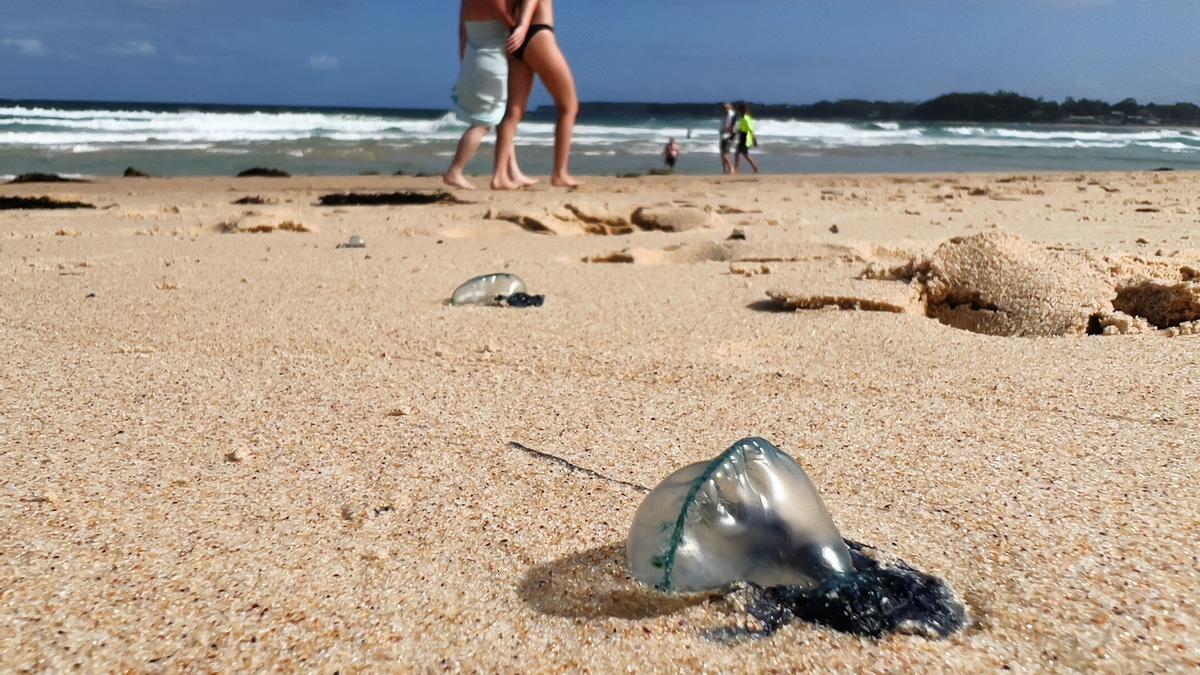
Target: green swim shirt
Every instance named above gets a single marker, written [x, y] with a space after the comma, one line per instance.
[747, 127]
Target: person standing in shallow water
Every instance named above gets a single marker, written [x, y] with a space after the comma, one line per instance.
[728, 133]
[535, 48]
[747, 138]
[671, 154]
[481, 94]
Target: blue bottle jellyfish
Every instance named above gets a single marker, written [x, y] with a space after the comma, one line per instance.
[752, 516]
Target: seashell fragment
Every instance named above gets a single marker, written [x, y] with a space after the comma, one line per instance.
[749, 515]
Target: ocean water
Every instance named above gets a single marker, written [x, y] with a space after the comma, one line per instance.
[165, 140]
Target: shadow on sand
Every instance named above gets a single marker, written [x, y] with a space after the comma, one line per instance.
[596, 584]
[771, 306]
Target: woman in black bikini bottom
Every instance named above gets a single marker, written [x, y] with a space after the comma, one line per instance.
[538, 54]
[533, 30]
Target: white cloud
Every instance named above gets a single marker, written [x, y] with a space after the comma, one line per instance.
[24, 46]
[324, 62]
[134, 48]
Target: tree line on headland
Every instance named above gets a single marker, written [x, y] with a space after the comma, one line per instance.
[1002, 106]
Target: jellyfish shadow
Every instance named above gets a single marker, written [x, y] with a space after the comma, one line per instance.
[877, 600]
[596, 584]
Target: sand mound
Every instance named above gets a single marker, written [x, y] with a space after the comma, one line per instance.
[737, 251]
[999, 284]
[675, 219]
[682, 254]
[598, 218]
[1162, 304]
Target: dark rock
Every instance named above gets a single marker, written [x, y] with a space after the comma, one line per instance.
[833, 229]
[134, 173]
[250, 201]
[43, 178]
[261, 172]
[39, 203]
[1163, 168]
[368, 173]
[386, 199]
[90, 295]
[737, 235]
[400, 173]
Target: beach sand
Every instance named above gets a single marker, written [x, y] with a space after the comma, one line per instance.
[256, 450]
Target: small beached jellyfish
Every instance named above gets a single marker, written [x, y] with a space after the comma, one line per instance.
[752, 516]
[749, 515]
[495, 289]
[354, 242]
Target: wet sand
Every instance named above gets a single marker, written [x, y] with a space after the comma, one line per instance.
[226, 445]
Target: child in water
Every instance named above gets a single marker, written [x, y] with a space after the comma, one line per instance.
[671, 154]
[481, 94]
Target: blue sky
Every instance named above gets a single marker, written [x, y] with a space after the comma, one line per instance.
[403, 52]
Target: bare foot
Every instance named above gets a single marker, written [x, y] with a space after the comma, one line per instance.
[564, 180]
[456, 179]
[503, 183]
[525, 181]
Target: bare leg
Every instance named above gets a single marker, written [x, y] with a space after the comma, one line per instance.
[753, 165]
[546, 59]
[508, 175]
[468, 145]
[518, 176]
[726, 165]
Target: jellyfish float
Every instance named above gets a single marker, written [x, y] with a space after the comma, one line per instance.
[752, 517]
[495, 290]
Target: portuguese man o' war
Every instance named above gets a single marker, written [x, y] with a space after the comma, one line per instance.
[749, 515]
[354, 242]
[752, 516]
[495, 290]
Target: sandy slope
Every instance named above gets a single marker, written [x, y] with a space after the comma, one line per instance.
[253, 450]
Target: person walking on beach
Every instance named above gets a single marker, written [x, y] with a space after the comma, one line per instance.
[728, 132]
[671, 154]
[747, 138]
[536, 51]
[481, 94]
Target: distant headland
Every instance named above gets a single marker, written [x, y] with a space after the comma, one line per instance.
[1002, 106]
